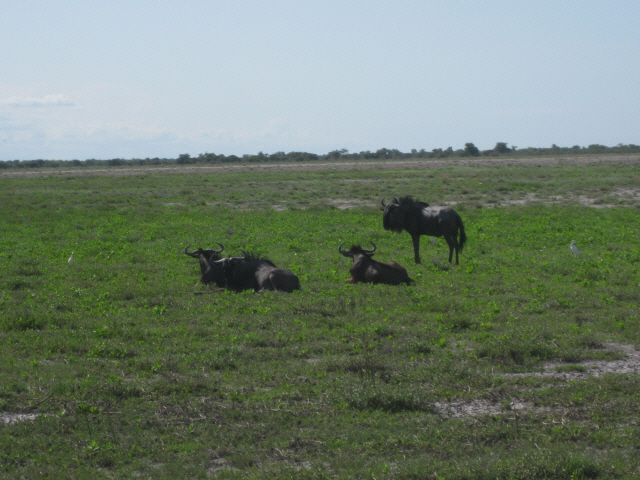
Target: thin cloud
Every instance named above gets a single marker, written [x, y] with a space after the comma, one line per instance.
[59, 100]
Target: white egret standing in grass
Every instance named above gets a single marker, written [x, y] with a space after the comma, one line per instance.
[573, 248]
[434, 241]
[70, 259]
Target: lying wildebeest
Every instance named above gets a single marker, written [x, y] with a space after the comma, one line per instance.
[366, 269]
[207, 258]
[418, 218]
[254, 272]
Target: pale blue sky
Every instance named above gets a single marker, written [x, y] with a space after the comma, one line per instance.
[136, 79]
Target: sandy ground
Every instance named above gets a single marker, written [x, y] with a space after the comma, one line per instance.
[424, 163]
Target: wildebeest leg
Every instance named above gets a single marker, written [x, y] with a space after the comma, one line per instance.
[451, 241]
[456, 244]
[453, 245]
[416, 247]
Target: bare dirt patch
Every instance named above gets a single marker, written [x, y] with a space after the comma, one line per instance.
[590, 368]
[617, 198]
[474, 408]
[11, 418]
[220, 464]
[342, 204]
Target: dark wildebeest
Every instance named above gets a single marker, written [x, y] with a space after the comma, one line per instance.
[254, 272]
[366, 269]
[418, 218]
[207, 258]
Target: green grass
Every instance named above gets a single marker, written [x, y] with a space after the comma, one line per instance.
[133, 375]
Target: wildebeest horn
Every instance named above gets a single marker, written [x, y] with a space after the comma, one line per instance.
[383, 204]
[346, 253]
[371, 251]
[186, 251]
[221, 248]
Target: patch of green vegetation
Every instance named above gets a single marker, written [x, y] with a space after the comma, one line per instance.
[133, 375]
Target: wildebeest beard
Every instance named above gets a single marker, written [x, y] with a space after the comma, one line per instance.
[393, 219]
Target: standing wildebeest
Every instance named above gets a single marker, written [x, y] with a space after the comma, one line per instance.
[253, 272]
[366, 269]
[418, 218]
[207, 258]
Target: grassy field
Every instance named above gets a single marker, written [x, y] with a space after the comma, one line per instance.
[519, 363]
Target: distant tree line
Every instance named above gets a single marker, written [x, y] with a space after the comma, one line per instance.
[469, 150]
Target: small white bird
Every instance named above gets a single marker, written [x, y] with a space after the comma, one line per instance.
[573, 248]
[70, 259]
[434, 241]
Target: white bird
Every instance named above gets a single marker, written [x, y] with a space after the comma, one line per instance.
[573, 248]
[434, 241]
[70, 259]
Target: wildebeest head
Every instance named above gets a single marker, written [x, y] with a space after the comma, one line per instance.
[401, 213]
[209, 253]
[211, 272]
[357, 250]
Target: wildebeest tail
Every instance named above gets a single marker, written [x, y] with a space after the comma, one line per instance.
[463, 236]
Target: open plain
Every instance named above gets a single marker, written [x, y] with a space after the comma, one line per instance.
[521, 362]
